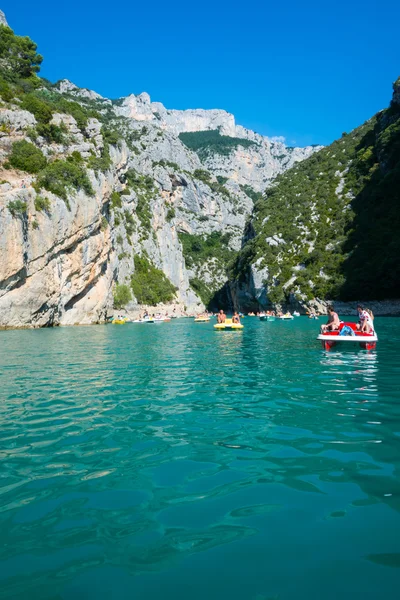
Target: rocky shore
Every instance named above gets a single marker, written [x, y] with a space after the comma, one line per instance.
[380, 308]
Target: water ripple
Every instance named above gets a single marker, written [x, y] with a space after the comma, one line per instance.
[169, 455]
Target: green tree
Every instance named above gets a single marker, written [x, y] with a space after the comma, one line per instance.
[122, 295]
[27, 157]
[149, 284]
[18, 56]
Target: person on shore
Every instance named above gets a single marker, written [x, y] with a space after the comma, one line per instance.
[366, 323]
[236, 318]
[333, 322]
[221, 316]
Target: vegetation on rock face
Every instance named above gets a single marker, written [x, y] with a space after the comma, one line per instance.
[198, 249]
[122, 296]
[27, 157]
[17, 208]
[329, 226]
[40, 109]
[170, 214]
[210, 256]
[251, 193]
[100, 163]
[143, 186]
[215, 186]
[202, 290]
[149, 284]
[115, 200]
[62, 176]
[42, 204]
[205, 143]
[52, 133]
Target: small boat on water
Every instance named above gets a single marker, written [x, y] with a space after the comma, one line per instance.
[228, 326]
[202, 319]
[296, 314]
[264, 317]
[157, 319]
[143, 320]
[348, 333]
[119, 321]
[286, 317]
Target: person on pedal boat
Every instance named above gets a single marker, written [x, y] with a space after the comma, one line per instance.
[221, 316]
[333, 322]
[235, 318]
[366, 324]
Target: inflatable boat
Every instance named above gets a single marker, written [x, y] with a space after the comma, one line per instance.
[348, 333]
[228, 325]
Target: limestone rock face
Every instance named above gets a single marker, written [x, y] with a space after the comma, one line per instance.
[56, 267]
[60, 261]
[67, 87]
[256, 165]
[16, 120]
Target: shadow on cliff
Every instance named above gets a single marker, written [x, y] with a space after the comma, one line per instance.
[372, 268]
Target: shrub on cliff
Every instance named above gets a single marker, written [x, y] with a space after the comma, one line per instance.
[42, 204]
[215, 186]
[17, 208]
[197, 249]
[27, 157]
[61, 176]
[122, 295]
[41, 110]
[6, 91]
[149, 284]
[100, 163]
[52, 133]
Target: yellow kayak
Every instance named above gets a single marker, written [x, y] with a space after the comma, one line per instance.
[228, 325]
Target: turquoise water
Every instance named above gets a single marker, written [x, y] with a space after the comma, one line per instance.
[173, 461]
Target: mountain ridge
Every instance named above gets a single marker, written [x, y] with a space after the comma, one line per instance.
[95, 205]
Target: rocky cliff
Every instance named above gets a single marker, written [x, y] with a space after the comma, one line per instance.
[255, 164]
[102, 203]
[329, 227]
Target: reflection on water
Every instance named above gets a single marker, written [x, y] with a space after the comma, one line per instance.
[199, 463]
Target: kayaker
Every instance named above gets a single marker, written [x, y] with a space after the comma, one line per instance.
[333, 322]
[221, 316]
[235, 318]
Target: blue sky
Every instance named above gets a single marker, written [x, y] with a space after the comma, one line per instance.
[304, 70]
